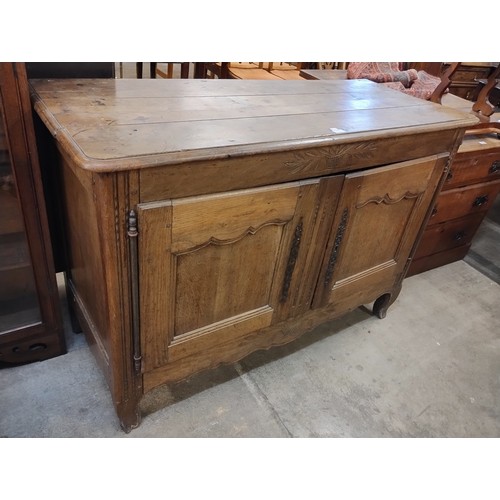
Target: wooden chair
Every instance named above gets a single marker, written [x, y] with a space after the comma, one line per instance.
[170, 70]
[154, 71]
[446, 76]
[286, 71]
[484, 107]
[332, 65]
[250, 71]
[212, 70]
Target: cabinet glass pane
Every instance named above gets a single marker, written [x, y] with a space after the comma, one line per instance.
[18, 297]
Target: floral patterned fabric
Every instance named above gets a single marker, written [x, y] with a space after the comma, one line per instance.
[416, 83]
[381, 72]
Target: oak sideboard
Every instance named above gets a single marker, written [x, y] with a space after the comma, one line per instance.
[206, 219]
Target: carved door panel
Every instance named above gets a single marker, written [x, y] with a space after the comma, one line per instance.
[378, 218]
[216, 267]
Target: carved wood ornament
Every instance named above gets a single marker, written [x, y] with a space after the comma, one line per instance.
[315, 158]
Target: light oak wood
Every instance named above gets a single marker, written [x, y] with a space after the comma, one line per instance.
[239, 189]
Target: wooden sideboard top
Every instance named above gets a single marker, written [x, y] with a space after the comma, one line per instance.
[120, 124]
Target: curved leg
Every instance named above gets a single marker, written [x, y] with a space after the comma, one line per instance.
[384, 301]
[381, 305]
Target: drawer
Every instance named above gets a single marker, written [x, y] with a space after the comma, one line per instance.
[460, 202]
[437, 260]
[469, 74]
[447, 235]
[480, 168]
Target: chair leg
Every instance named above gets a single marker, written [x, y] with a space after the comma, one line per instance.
[138, 69]
[152, 69]
[185, 70]
[200, 70]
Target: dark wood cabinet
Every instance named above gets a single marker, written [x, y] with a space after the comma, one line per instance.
[208, 219]
[464, 82]
[468, 192]
[30, 318]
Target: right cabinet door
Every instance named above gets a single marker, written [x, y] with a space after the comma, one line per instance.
[378, 218]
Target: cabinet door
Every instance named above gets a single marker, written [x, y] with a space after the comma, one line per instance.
[213, 268]
[30, 319]
[378, 218]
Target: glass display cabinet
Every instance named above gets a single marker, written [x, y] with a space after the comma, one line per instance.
[30, 316]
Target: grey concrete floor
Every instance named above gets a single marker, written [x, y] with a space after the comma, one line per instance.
[431, 368]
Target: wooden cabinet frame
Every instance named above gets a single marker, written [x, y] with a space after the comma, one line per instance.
[44, 337]
[182, 260]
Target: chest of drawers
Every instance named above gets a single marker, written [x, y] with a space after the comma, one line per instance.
[468, 192]
[208, 219]
[465, 80]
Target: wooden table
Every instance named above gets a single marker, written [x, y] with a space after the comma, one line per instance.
[207, 219]
[324, 74]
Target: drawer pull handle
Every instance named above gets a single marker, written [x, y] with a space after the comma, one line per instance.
[480, 200]
[449, 176]
[459, 236]
[434, 211]
[495, 167]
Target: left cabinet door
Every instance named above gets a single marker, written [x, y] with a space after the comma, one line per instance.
[214, 268]
[30, 319]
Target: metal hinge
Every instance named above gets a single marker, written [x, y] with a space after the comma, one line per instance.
[134, 285]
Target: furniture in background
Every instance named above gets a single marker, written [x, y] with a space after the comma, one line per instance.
[330, 65]
[200, 69]
[285, 70]
[139, 69]
[324, 74]
[494, 94]
[169, 73]
[418, 82]
[212, 70]
[30, 317]
[470, 189]
[252, 70]
[70, 69]
[465, 80]
[488, 97]
[228, 217]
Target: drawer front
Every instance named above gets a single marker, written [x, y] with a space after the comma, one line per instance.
[447, 235]
[437, 260]
[245, 171]
[471, 73]
[482, 168]
[460, 202]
